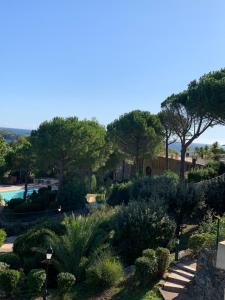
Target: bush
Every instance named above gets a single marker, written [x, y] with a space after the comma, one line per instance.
[146, 269]
[9, 280]
[65, 282]
[105, 272]
[3, 267]
[120, 194]
[72, 195]
[2, 237]
[215, 196]
[36, 280]
[200, 240]
[157, 187]
[11, 259]
[163, 259]
[149, 253]
[138, 227]
[24, 244]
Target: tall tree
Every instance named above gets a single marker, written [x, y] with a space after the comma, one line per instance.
[137, 135]
[20, 159]
[168, 132]
[187, 123]
[201, 106]
[69, 147]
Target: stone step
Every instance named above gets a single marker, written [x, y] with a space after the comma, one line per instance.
[178, 278]
[188, 268]
[175, 287]
[183, 273]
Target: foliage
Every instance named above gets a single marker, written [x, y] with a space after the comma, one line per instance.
[200, 240]
[120, 194]
[200, 174]
[36, 280]
[146, 268]
[138, 227]
[83, 235]
[44, 199]
[163, 259]
[2, 236]
[3, 267]
[72, 195]
[215, 195]
[11, 259]
[65, 282]
[3, 151]
[136, 135]
[26, 243]
[9, 280]
[149, 189]
[69, 147]
[104, 272]
[189, 116]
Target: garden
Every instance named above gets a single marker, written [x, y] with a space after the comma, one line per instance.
[122, 246]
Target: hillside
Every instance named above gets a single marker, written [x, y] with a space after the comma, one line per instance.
[12, 134]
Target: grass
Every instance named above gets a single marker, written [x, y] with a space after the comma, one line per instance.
[126, 290]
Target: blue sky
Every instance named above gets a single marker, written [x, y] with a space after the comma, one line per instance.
[102, 58]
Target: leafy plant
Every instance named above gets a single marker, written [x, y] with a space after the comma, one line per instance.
[11, 259]
[9, 280]
[163, 259]
[138, 227]
[36, 280]
[2, 237]
[104, 272]
[146, 269]
[65, 282]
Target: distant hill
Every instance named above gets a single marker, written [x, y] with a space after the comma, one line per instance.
[12, 134]
[177, 146]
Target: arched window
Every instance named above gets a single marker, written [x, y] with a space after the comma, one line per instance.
[148, 171]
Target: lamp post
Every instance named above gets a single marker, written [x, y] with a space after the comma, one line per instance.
[49, 254]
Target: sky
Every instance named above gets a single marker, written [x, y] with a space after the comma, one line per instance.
[102, 58]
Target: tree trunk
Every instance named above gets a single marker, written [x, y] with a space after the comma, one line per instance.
[182, 162]
[167, 154]
[25, 188]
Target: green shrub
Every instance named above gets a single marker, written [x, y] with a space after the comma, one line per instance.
[146, 269]
[120, 194]
[72, 195]
[105, 272]
[200, 240]
[65, 282]
[11, 259]
[163, 259]
[36, 280]
[137, 227]
[150, 253]
[9, 280]
[3, 267]
[2, 237]
[157, 187]
[24, 244]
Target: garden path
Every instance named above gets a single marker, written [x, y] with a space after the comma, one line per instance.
[179, 276]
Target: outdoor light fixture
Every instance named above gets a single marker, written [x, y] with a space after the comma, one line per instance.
[49, 254]
[59, 208]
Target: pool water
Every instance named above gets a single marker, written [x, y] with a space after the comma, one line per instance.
[7, 196]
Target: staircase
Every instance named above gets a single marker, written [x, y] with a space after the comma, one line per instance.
[179, 276]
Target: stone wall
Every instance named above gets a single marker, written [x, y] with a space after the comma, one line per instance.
[209, 282]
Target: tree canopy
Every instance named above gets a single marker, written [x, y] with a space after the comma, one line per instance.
[137, 135]
[69, 147]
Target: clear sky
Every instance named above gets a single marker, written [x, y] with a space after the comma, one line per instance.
[102, 58]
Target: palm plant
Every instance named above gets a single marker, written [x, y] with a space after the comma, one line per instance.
[83, 236]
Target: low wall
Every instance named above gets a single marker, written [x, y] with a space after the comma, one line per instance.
[209, 282]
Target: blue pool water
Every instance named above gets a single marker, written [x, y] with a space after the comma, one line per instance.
[7, 196]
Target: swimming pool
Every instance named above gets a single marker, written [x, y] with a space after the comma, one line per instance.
[8, 195]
